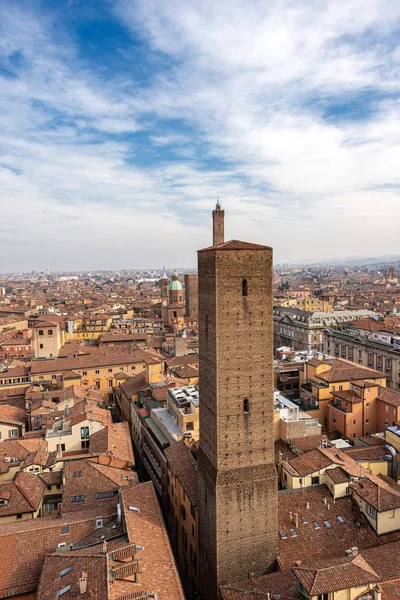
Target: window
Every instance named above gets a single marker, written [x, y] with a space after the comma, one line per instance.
[77, 499]
[50, 332]
[40, 331]
[64, 529]
[97, 372]
[110, 370]
[41, 346]
[110, 383]
[245, 289]
[354, 421]
[371, 511]
[334, 418]
[190, 426]
[54, 376]
[386, 408]
[13, 433]
[340, 519]
[323, 596]
[340, 388]
[84, 433]
[367, 421]
[64, 572]
[246, 406]
[84, 372]
[77, 474]
[315, 480]
[99, 522]
[367, 405]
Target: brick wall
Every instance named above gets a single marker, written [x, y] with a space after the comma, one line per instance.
[237, 477]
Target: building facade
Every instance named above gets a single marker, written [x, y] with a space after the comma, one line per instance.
[304, 330]
[369, 352]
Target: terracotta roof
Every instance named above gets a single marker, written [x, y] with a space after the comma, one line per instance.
[183, 466]
[378, 494]
[157, 569]
[236, 245]
[188, 359]
[389, 396]
[114, 439]
[304, 444]
[366, 452]
[103, 357]
[22, 560]
[338, 475]
[390, 590]
[335, 575]
[135, 384]
[31, 486]
[309, 462]
[310, 543]
[12, 414]
[282, 584]
[94, 566]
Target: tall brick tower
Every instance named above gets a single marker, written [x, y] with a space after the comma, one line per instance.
[237, 478]
[218, 216]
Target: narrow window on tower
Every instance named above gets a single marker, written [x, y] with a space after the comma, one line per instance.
[244, 287]
[246, 406]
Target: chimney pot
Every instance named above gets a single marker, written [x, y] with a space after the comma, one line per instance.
[83, 583]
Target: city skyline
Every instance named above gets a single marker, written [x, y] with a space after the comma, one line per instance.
[121, 124]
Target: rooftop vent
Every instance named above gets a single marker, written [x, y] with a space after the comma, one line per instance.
[134, 509]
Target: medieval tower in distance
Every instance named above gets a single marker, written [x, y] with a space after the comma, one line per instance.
[218, 224]
[237, 478]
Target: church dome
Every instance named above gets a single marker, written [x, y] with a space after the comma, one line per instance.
[174, 285]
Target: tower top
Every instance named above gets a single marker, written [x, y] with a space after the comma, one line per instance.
[218, 224]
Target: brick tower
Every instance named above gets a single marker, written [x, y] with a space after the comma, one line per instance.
[218, 216]
[237, 477]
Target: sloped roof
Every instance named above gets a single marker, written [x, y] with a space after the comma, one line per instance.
[335, 575]
[236, 245]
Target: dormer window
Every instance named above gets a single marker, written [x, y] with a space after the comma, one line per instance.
[245, 289]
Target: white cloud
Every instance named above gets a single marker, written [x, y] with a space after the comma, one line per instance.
[251, 81]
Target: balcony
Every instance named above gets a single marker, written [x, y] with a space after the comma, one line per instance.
[344, 409]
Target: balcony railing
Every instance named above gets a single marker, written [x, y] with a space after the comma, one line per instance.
[341, 408]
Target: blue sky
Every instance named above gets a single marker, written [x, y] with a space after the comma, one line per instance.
[122, 121]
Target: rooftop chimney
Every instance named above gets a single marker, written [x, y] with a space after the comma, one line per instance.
[296, 520]
[104, 547]
[83, 583]
[377, 593]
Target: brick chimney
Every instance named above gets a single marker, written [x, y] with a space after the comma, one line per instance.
[83, 584]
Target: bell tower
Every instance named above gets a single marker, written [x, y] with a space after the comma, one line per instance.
[236, 467]
[218, 216]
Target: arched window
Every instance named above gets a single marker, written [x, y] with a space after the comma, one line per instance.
[246, 405]
[40, 331]
[244, 287]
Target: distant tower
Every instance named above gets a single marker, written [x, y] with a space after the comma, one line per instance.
[218, 225]
[164, 297]
[191, 296]
[236, 468]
